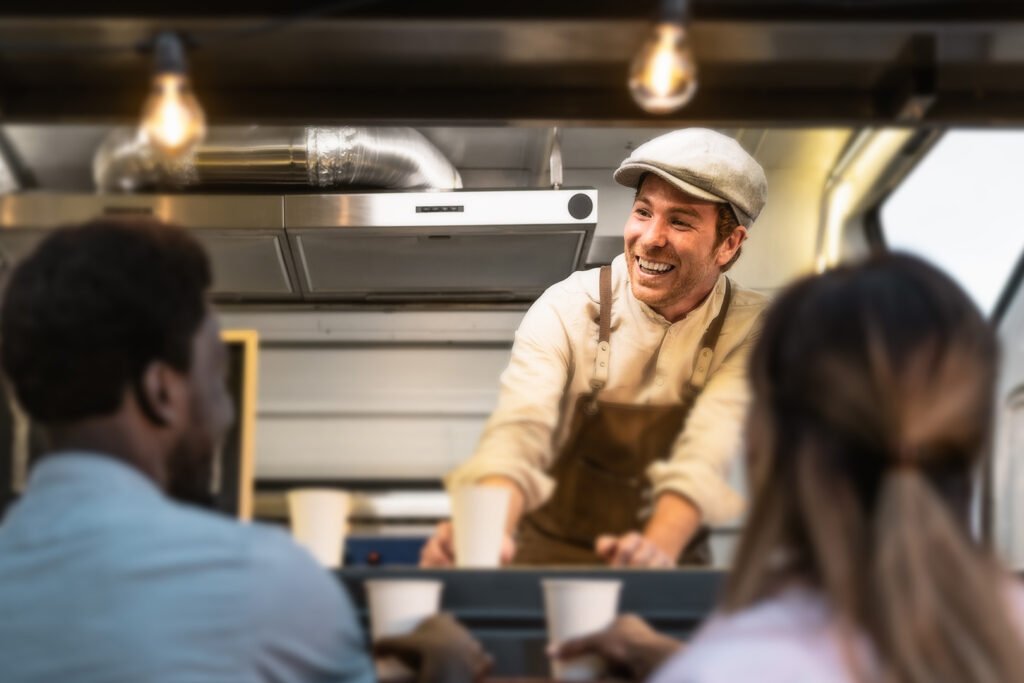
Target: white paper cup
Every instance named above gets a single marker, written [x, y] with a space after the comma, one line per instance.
[397, 606]
[478, 520]
[319, 520]
[574, 608]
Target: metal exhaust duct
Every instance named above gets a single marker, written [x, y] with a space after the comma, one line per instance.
[389, 158]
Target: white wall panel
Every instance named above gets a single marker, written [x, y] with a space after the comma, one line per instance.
[448, 326]
[364, 446]
[373, 394]
[380, 380]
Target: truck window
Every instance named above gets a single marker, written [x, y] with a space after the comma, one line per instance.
[962, 208]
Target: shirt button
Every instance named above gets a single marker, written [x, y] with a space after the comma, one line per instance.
[659, 382]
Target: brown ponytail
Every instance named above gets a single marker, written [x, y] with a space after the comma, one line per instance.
[872, 408]
[939, 612]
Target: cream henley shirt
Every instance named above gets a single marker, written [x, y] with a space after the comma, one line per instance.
[650, 362]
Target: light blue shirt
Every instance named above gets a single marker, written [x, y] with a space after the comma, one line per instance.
[105, 579]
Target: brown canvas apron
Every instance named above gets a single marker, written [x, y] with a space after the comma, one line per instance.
[600, 476]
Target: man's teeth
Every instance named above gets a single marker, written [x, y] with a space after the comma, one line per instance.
[653, 266]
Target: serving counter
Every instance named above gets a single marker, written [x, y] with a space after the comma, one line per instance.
[504, 609]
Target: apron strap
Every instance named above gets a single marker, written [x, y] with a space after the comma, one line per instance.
[708, 342]
[600, 375]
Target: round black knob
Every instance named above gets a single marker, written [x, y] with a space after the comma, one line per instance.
[580, 206]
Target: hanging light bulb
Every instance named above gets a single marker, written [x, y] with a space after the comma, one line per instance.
[663, 75]
[172, 120]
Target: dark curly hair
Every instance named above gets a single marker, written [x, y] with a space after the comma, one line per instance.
[92, 306]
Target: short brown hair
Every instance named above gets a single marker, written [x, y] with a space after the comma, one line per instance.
[725, 224]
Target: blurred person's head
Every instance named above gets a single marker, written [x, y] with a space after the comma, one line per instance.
[873, 389]
[110, 345]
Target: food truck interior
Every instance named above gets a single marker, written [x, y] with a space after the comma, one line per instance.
[385, 291]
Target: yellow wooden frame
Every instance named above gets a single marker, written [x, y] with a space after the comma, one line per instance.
[246, 417]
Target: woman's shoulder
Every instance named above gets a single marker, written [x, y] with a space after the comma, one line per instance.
[783, 638]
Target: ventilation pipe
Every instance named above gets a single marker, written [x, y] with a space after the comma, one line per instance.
[390, 158]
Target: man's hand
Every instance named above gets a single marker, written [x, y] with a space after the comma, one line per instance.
[439, 550]
[632, 550]
[440, 650]
[630, 647]
[673, 522]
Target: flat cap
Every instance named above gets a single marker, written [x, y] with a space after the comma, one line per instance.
[704, 164]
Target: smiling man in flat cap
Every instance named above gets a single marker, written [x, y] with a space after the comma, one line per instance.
[620, 411]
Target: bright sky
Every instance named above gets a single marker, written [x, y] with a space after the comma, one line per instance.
[963, 209]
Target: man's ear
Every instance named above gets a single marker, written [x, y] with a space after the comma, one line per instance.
[160, 392]
[730, 245]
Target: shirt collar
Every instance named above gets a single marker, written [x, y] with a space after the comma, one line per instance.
[92, 470]
[707, 309]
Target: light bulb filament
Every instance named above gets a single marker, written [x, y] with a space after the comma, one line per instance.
[662, 71]
[171, 114]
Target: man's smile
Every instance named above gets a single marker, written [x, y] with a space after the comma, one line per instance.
[653, 267]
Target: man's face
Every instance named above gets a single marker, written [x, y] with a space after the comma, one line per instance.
[190, 466]
[670, 248]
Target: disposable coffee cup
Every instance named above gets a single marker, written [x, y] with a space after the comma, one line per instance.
[397, 606]
[574, 608]
[478, 520]
[319, 521]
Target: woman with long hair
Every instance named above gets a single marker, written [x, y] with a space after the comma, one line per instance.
[873, 390]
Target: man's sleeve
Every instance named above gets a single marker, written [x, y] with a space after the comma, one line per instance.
[517, 441]
[306, 623]
[703, 453]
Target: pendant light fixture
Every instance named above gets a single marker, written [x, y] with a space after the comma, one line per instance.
[663, 74]
[172, 120]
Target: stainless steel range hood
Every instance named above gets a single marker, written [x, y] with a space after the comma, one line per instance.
[465, 245]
